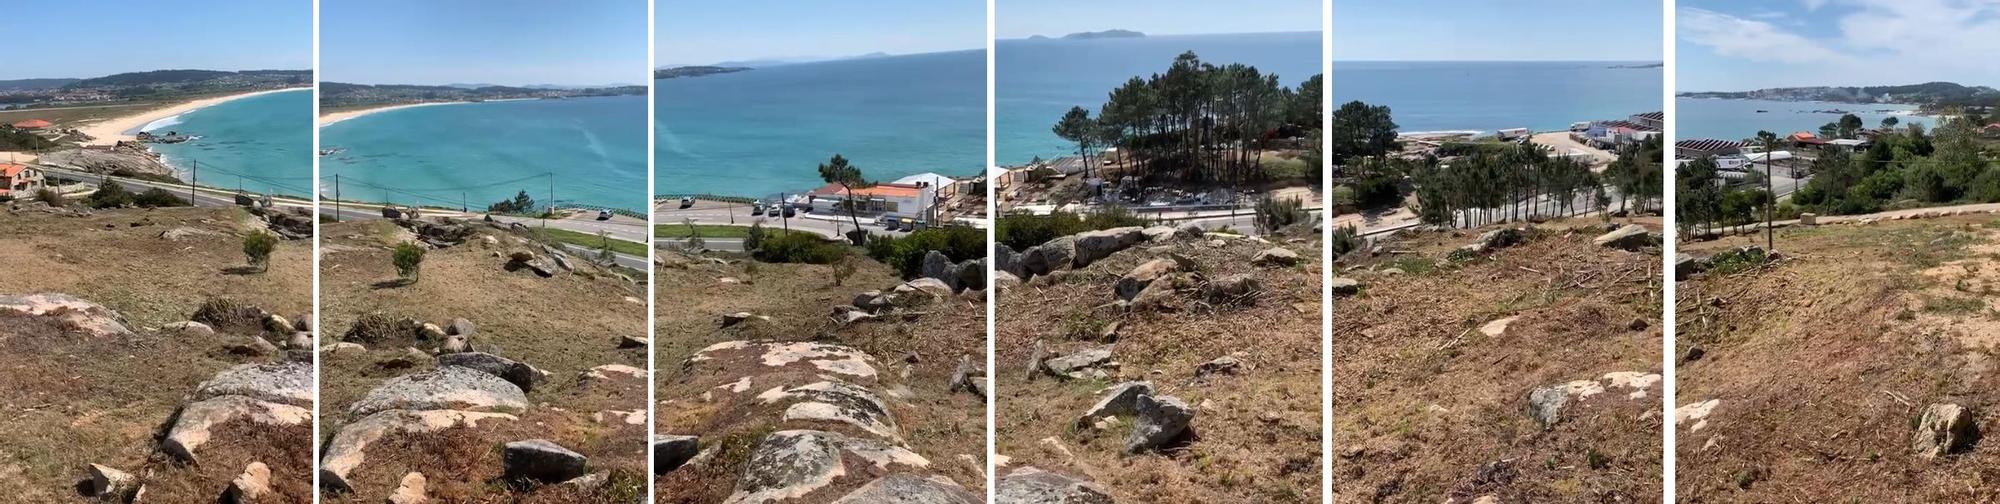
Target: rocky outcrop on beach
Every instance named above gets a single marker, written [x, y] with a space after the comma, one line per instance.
[124, 159]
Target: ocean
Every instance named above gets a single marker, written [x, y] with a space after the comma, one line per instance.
[592, 149]
[1740, 119]
[1488, 96]
[1036, 81]
[763, 131]
[261, 143]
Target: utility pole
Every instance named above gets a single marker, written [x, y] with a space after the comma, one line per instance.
[463, 206]
[552, 203]
[336, 197]
[193, 176]
[787, 223]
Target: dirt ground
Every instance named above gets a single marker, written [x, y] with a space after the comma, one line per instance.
[69, 400]
[693, 294]
[564, 325]
[1821, 364]
[1428, 407]
[1258, 431]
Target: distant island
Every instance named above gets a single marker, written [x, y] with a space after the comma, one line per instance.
[1642, 66]
[335, 95]
[695, 71]
[156, 85]
[1106, 34]
[1928, 95]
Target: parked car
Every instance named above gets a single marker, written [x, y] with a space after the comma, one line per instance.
[603, 215]
[906, 225]
[773, 212]
[790, 211]
[687, 202]
[887, 222]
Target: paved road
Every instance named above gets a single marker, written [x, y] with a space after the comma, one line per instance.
[618, 228]
[705, 212]
[205, 197]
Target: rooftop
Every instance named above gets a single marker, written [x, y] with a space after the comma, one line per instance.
[889, 190]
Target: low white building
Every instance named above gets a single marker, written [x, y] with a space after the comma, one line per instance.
[901, 200]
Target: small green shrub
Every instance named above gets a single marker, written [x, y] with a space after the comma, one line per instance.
[257, 246]
[157, 197]
[409, 259]
[906, 254]
[800, 248]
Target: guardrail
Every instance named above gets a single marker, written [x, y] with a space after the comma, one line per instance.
[710, 197]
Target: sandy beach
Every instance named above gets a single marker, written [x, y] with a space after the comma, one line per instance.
[111, 131]
[334, 117]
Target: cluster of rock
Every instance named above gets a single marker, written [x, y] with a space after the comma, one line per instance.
[903, 298]
[125, 157]
[290, 223]
[1158, 421]
[294, 335]
[835, 438]
[1079, 250]
[267, 394]
[85, 316]
[37, 206]
[970, 274]
[542, 259]
[466, 389]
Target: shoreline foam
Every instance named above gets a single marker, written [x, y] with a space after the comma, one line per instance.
[126, 128]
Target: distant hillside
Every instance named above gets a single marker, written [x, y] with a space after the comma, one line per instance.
[695, 71]
[1104, 35]
[27, 84]
[1930, 93]
[186, 78]
[337, 94]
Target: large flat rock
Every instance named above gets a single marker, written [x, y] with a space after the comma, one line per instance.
[279, 382]
[791, 464]
[194, 425]
[445, 388]
[348, 449]
[86, 316]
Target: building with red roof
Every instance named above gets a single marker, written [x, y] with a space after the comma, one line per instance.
[19, 181]
[32, 124]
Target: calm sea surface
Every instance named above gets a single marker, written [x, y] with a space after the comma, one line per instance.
[766, 130]
[261, 143]
[1740, 119]
[1487, 96]
[592, 149]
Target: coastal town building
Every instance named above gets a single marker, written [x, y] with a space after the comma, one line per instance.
[31, 125]
[1616, 133]
[892, 199]
[1728, 154]
[19, 181]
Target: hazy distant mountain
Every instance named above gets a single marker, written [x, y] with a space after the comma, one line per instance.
[1104, 35]
[337, 94]
[771, 62]
[694, 71]
[26, 84]
[1929, 93]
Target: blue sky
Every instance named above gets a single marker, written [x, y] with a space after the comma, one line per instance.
[1737, 45]
[700, 32]
[1055, 18]
[103, 37]
[507, 42]
[1483, 30]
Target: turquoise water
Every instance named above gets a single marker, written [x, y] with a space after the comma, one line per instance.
[592, 149]
[766, 130]
[1487, 96]
[1036, 81]
[1739, 119]
[261, 143]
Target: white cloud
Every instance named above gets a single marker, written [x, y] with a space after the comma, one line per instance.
[1813, 5]
[1750, 39]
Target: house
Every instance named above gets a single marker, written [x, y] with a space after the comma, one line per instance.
[19, 181]
[947, 187]
[31, 125]
[1806, 138]
[1698, 148]
[1651, 121]
[1850, 144]
[902, 200]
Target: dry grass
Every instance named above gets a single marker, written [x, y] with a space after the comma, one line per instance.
[1422, 398]
[564, 325]
[1824, 361]
[70, 400]
[1259, 432]
[936, 423]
